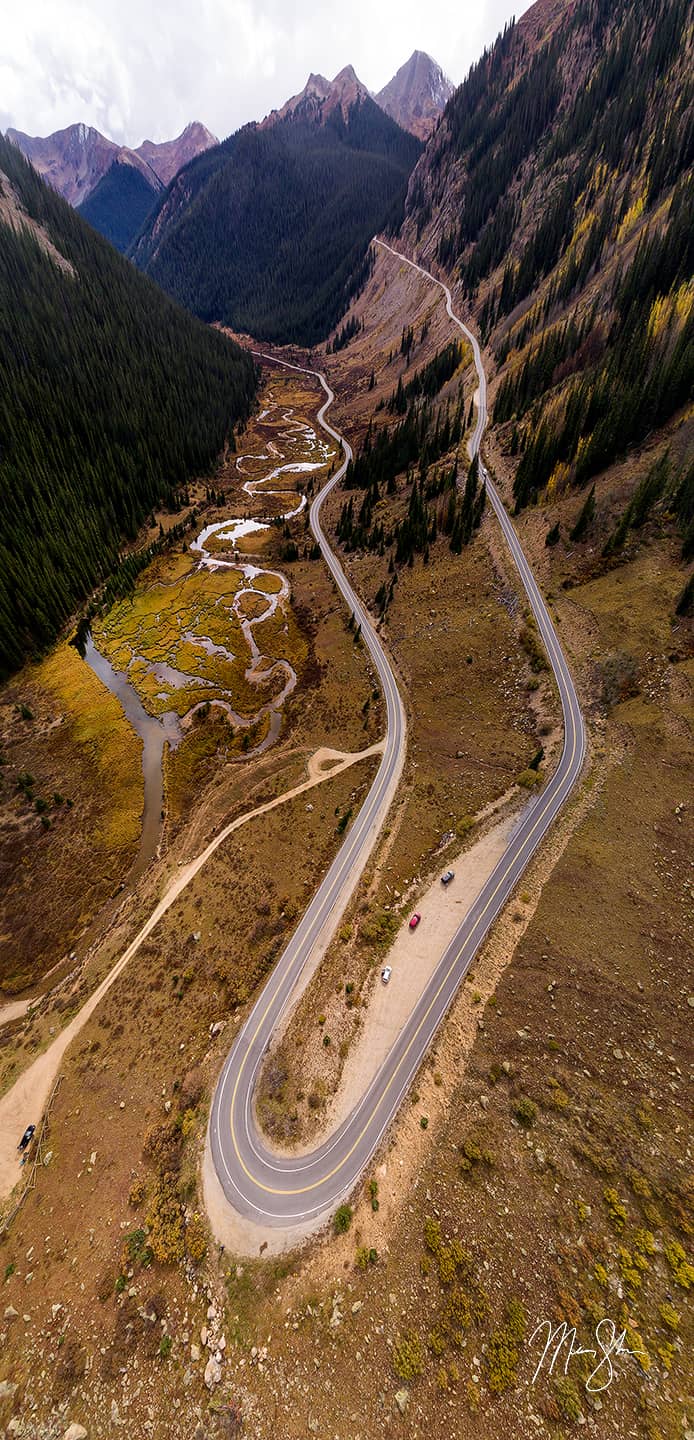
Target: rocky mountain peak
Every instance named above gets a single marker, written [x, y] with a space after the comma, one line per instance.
[417, 94]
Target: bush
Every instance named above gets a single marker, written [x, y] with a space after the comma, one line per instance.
[525, 1112]
[136, 1249]
[616, 1210]
[504, 1348]
[137, 1193]
[530, 640]
[342, 1219]
[619, 678]
[165, 1222]
[408, 1356]
[567, 1399]
[165, 1346]
[196, 1238]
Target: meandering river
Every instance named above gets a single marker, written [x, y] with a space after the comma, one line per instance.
[156, 731]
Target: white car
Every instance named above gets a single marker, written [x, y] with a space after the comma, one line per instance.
[386, 974]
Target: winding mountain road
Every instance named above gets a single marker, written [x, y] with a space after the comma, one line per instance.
[286, 1191]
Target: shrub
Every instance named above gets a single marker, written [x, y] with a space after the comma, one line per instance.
[137, 1192]
[504, 1348]
[619, 678]
[196, 1238]
[530, 640]
[342, 1219]
[424, 1121]
[165, 1346]
[528, 778]
[136, 1249]
[566, 1395]
[616, 1210]
[677, 1260]
[408, 1356]
[379, 928]
[669, 1316]
[165, 1222]
[525, 1112]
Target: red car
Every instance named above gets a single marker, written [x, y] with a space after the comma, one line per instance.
[415, 920]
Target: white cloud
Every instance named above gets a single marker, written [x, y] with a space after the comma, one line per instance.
[144, 68]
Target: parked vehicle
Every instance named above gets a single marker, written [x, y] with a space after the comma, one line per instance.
[447, 876]
[415, 920]
[26, 1137]
[386, 974]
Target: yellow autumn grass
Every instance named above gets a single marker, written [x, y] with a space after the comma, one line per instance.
[101, 730]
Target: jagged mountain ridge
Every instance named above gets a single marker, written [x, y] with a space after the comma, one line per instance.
[417, 95]
[320, 98]
[75, 159]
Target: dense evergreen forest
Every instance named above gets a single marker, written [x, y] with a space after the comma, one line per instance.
[111, 398]
[269, 232]
[119, 205]
[569, 225]
[438, 504]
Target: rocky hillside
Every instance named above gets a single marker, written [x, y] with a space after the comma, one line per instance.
[269, 231]
[417, 95]
[558, 190]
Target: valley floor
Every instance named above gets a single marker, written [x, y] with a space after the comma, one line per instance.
[537, 1170]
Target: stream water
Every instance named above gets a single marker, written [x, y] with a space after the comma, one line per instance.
[156, 731]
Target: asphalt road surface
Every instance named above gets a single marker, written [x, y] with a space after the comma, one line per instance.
[277, 1190]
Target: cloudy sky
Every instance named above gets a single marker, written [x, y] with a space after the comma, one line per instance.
[143, 68]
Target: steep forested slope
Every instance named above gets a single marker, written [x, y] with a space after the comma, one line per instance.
[559, 191]
[267, 231]
[110, 398]
[119, 205]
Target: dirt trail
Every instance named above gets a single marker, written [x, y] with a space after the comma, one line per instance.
[24, 1103]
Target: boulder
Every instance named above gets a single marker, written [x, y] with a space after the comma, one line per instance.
[213, 1373]
[75, 1432]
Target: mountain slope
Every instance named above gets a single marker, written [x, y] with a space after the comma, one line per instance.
[110, 398]
[559, 190]
[416, 96]
[119, 205]
[267, 232]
